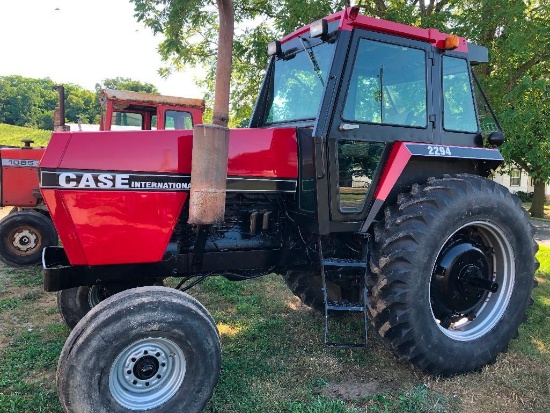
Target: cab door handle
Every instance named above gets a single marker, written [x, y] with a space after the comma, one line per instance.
[347, 126]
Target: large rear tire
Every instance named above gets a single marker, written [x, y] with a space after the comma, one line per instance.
[308, 287]
[453, 267]
[23, 235]
[149, 348]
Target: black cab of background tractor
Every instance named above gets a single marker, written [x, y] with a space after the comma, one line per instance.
[393, 218]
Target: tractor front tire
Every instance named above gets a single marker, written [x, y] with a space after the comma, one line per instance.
[74, 303]
[151, 349]
[23, 235]
[453, 267]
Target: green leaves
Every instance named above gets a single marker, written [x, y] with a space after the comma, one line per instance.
[31, 102]
[125, 83]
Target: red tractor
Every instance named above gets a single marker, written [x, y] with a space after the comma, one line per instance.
[28, 228]
[363, 179]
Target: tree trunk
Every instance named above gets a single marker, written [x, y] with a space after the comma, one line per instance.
[211, 142]
[223, 65]
[539, 198]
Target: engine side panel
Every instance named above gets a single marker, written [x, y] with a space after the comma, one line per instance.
[115, 197]
[106, 227]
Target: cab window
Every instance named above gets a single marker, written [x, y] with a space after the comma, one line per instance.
[127, 121]
[388, 85]
[175, 119]
[458, 101]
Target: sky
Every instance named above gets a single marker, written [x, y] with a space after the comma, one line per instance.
[83, 42]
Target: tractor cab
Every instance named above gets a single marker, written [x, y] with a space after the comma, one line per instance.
[126, 110]
[355, 87]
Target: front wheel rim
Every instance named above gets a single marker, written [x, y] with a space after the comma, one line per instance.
[24, 240]
[496, 267]
[147, 373]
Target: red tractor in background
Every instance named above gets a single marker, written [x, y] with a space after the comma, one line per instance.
[363, 179]
[28, 227]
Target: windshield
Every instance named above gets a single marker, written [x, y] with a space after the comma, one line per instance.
[298, 83]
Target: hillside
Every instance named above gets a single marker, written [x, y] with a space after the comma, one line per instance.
[12, 135]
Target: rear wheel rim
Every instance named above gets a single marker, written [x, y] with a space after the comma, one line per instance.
[24, 240]
[477, 250]
[147, 373]
[96, 294]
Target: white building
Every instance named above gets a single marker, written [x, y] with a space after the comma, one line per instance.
[518, 180]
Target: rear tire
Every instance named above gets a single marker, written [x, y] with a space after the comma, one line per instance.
[433, 250]
[149, 348]
[23, 235]
[308, 287]
[74, 303]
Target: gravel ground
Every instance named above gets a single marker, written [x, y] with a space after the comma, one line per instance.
[542, 231]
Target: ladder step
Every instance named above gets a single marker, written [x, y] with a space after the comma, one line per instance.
[344, 262]
[345, 306]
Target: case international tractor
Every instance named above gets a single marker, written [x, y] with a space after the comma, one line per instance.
[28, 227]
[363, 179]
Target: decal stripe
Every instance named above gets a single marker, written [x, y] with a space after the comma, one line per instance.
[461, 152]
[399, 157]
[132, 181]
[260, 185]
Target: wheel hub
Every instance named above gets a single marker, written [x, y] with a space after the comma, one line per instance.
[146, 367]
[24, 240]
[147, 373]
[461, 279]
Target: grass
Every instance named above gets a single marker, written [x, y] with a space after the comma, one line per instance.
[274, 360]
[11, 135]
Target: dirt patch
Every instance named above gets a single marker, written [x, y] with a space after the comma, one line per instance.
[350, 390]
[514, 384]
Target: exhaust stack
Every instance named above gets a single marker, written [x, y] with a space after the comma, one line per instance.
[208, 174]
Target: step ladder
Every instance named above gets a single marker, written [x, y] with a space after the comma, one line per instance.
[343, 306]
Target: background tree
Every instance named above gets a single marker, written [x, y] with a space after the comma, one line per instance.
[125, 83]
[31, 102]
[517, 79]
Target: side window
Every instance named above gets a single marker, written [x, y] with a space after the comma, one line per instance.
[127, 121]
[458, 103]
[388, 85]
[357, 163]
[175, 119]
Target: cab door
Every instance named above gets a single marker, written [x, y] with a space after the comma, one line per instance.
[384, 97]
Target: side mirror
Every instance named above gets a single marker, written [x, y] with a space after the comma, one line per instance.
[496, 138]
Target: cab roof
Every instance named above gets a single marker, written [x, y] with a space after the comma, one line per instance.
[349, 19]
[124, 96]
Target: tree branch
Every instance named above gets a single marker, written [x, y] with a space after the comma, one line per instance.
[439, 6]
[524, 68]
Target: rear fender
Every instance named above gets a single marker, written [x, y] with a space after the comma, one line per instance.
[411, 163]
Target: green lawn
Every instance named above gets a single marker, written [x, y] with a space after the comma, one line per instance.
[274, 359]
[11, 135]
